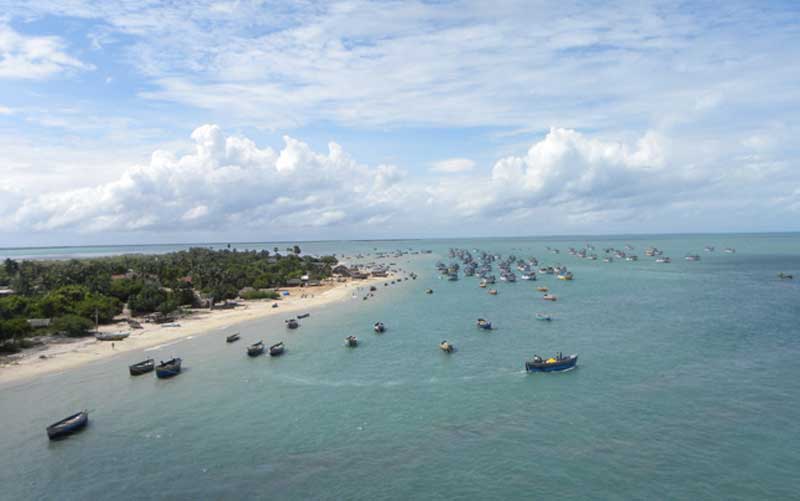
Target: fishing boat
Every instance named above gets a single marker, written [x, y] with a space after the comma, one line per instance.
[729, 250]
[111, 336]
[709, 248]
[169, 368]
[303, 315]
[552, 364]
[483, 283]
[692, 257]
[565, 276]
[142, 367]
[493, 292]
[255, 349]
[68, 425]
[550, 297]
[292, 323]
[351, 341]
[664, 260]
[446, 347]
[232, 338]
[484, 324]
[544, 317]
[784, 276]
[428, 291]
[542, 289]
[277, 349]
[379, 327]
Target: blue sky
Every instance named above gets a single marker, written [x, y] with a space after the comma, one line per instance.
[143, 121]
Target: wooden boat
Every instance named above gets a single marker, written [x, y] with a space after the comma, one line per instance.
[351, 341]
[111, 336]
[276, 349]
[68, 425]
[544, 317]
[255, 349]
[232, 338]
[428, 291]
[549, 297]
[292, 323]
[446, 347]
[492, 292]
[552, 364]
[566, 276]
[168, 369]
[379, 327]
[784, 276]
[142, 367]
[542, 289]
[484, 324]
[303, 315]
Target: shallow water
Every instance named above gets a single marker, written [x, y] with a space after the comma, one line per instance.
[687, 387]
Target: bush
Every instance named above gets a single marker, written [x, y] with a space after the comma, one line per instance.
[13, 329]
[107, 308]
[148, 299]
[73, 325]
[256, 294]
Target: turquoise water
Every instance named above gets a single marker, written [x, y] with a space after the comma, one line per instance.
[687, 387]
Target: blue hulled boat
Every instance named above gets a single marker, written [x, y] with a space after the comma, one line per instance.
[169, 368]
[484, 324]
[552, 364]
[69, 425]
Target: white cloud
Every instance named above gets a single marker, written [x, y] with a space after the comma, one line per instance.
[453, 165]
[33, 57]
[226, 180]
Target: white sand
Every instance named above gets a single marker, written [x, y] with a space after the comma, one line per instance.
[74, 353]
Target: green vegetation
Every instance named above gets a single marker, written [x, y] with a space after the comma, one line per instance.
[77, 292]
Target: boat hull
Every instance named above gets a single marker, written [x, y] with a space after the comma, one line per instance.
[169, 371]
[562, 365]
[68, 426]
[142, 367]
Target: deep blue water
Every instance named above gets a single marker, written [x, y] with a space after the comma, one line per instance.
[687, 388]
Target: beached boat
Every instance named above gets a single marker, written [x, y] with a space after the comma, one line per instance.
[169, 368]
[552, 364]
[232, 338]
[292, 323]
[68, 425]
[277, 349]
[303, 315]
[255, 349]
[351, 341]
[484, 324]
[446, 347]
[550, 297]
[379, 327]
[111, 336]
[544, 317]
[142, 367]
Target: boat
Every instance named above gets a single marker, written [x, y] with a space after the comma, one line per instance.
[68, 425]
[549, 297]
[565, 276]
[379, 327]
[169, 368]
[277, 349]
[292, 323]
[692, 257]
[484, 324]
[729, 250]
[303, 315]
[351, 341]
[709, 248]
[493, 292]
[255, 349]
[552, 364]
[483, 283]
[428, 291]
[784, 276]
[446, 347]
[232, 338]
[111, 336]
[543, 317]
[542, 289]
[664, 260]
[142, 367]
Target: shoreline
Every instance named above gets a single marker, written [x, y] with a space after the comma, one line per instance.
[73, 353]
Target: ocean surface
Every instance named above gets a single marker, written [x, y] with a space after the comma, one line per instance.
[687, 387]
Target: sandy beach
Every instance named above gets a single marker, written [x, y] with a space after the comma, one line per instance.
[71, 353]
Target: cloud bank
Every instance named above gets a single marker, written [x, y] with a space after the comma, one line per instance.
[32, 57]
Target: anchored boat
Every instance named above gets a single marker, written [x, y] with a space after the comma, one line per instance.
[446, 347]
[232, 338]
[552, 364]
[292, 323]
[255, 349]
[168, 369]
[276, 349]
[351, 341]
[379, 327]
[142, 367]
[68, 425]
[484, 324]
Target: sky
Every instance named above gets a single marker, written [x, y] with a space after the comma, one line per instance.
[160, 122]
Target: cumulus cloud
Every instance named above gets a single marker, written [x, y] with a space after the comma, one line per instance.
[33, 57]
[453, 165]
[225, 180]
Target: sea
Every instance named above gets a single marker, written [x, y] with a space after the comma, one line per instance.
[687, 387]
